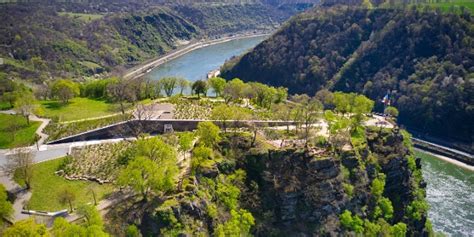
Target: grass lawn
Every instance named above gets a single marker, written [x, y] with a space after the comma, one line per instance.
[46, 185]
[82, 16]
[77, 108]
[23, 135]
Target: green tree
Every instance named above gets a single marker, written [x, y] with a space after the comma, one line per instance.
[156, 150]
[6, 208]
[26, 228]
[26, 105]
[132, 231]
[233, 90]
[339, 127]
[223, 113]
[145, 176]
[67, 196]
[200, 87]
[399, 230]
[386, 209]
[342, 102]
[310, 113]
[10, 97]
[169, 84]
[185, 142]
[217, 84]
[264, 95]
[65, 90]
[391, 111]
[351, 222]
[208, 134]
[90, 214]
[183, 84]
[239, 224]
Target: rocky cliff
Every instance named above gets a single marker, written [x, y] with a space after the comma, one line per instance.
[373, 189]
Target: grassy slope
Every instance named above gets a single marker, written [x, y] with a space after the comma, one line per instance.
[24, 136]
[46, 185]
[77, 108]
[445, 6]
[82, 16]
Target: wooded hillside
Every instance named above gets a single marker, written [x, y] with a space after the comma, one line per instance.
[41, 41]
[424, 58]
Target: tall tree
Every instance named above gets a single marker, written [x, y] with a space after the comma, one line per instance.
[20, 164]
[65, 90]
[121, 92]
[183, 84]
[156, 150]
[208, 134]
[233, 90]
[185, 142]
[310, 112]
[145, 176]
[67, 196]
[26, 227]
[26, 105]
[200, 87]
[217, 84]
[223, 113]
[169, 84]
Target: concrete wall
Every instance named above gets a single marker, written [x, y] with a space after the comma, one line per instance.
[134, 128]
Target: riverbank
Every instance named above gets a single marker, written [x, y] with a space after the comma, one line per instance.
[149, 65]
[449, 160]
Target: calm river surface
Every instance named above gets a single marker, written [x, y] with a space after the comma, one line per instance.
[450, 190]
[196, 64]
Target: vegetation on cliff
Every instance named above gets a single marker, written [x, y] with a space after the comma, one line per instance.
[423, 58]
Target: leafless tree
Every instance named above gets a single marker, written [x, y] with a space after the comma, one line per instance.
[20, 163]
[121, 91]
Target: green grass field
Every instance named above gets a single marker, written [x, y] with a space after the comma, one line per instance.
[82, 16]
[46, 185]
[77, 108]
[443, 5]
[15, 132]
[457, 4]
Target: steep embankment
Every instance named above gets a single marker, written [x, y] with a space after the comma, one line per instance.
[376, 188]
[425, 59]
[79, 39]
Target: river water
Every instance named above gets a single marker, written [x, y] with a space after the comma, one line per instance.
[450, 190]
[196, 64]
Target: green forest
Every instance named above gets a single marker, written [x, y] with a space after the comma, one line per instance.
[74, 40]
[422, 57]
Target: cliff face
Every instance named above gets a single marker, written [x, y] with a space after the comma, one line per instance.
[300, 192]
[373, 189]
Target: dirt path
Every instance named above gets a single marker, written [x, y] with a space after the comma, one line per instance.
[39, 130]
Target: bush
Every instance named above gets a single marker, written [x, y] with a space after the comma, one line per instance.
[353, 223]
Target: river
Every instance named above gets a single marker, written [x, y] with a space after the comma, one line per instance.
[196, 64]
[450, 190]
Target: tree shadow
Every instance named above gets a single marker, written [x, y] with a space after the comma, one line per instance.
[55, 105]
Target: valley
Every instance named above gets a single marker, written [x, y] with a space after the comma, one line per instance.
[299, 137]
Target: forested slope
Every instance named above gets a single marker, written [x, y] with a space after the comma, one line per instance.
[41, 41]
[425, 59]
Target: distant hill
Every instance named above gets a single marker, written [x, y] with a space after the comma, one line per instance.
[424, 58]
[79, 38]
